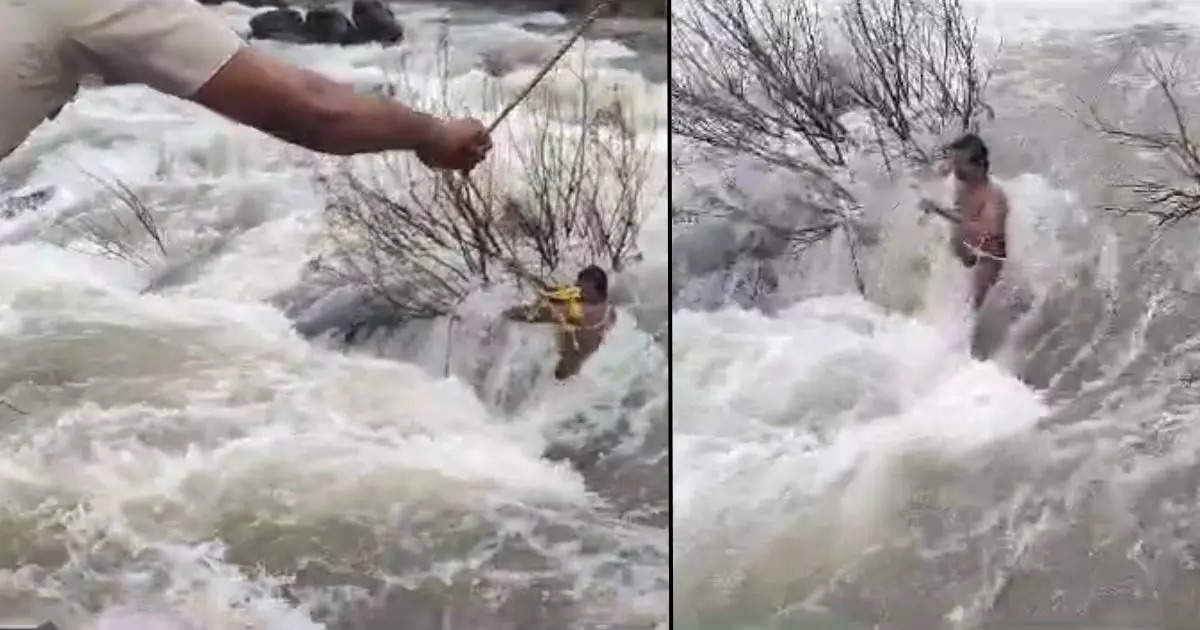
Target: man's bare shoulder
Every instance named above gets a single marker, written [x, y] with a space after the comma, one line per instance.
[598, 313]
[996, 208]
[996, 191]
[996, 196]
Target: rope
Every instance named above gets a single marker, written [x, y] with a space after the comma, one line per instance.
[587, 21]
[449, 342]
[858, 281]
[13, 407]
[562, 319]
[979, 253]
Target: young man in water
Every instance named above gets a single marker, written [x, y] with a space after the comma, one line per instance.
[582, 323]
[180, 48]
[979, 232]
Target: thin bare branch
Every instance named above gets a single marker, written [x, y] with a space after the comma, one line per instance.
[1166, 202]
[775, 81]
[422, 242]
[111, 233]
[5, 403]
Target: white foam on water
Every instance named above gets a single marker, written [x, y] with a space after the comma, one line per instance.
[808, 427]
[835, 373]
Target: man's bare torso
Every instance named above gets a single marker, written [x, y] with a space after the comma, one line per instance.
[984, 211]
[979, 238]
[577, 343]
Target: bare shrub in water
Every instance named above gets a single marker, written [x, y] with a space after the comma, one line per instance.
[7, 405]
[775, 80]
[1168, 200]
[755, 78]
[422, 240]
[117, 233]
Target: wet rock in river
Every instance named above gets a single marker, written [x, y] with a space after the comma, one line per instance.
[329, 26]
[376, 22]
[373, 22]
[285, 25]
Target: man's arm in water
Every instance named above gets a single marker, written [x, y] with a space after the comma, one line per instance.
[958, 242]
[957, 236]
[307, 109]
[932, 207]
[539, 314]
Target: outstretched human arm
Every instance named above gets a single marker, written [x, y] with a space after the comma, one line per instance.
[931, 207]
[181, 48]
[957, 233]
[537, 314]
[310, 110]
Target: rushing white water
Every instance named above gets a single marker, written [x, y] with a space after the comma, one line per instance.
[841, 462]
[183, 457]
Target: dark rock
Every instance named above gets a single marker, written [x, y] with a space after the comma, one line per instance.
[285, 25]
[329, 26]
[373, 21]
[376, 22]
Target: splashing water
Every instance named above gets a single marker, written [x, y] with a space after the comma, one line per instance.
[842, 462]
[188, 460]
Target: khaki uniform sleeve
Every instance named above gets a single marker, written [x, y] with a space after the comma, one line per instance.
[174, 46]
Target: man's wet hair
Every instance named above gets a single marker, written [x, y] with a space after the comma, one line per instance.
[596, 277]
[973, 146]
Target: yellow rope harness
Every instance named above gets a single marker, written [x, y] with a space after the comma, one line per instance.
[572, 297]
[572, 321]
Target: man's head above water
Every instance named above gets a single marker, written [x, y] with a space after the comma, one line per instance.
[593, 284]
[968, 158]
